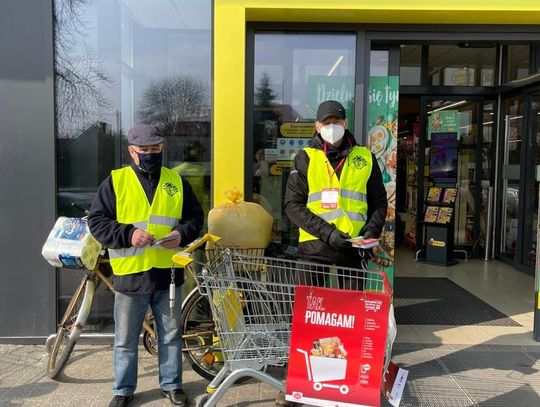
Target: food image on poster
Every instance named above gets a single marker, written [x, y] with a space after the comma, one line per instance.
[436, 121]
[378, 140]
[329, 348]
[383, 108]
[434, 194]
[449, 195]
[445, 215]
[431, 214]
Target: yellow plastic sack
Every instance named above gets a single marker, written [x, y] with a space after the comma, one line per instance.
[240, 224]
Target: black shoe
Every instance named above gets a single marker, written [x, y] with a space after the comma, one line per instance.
[281, 402]
[120, 401]
[177, 397]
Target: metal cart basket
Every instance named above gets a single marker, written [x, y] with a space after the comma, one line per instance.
[252, 303]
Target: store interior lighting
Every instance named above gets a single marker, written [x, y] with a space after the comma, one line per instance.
[331, 71]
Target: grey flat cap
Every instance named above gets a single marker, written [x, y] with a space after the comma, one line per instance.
[144, 135]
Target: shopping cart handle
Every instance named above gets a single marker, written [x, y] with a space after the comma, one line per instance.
[386, 283]
[183, 258]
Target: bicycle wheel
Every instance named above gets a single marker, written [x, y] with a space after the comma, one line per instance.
[201, 343]
[68, 333]
[150, 341]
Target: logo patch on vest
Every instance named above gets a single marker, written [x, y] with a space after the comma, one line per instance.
[359, 162]
[170, 188]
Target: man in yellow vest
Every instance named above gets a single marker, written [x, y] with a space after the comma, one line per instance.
[334, 192]
[134, 207]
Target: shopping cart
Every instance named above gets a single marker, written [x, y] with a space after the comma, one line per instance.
[252, 303]
[321, 369]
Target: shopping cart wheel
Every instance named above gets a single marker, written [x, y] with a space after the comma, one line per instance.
[317, 386]
[201, 347]
[201, 400]
[344, 389]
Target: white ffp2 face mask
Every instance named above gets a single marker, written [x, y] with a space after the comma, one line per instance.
[332, 133]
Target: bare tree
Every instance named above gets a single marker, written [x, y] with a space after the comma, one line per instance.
[79, 76]
[167, 102]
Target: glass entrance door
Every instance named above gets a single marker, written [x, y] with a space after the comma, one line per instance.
[531, 187]
[520, 177]
[454, 136]
[293, 73]
[513, 129]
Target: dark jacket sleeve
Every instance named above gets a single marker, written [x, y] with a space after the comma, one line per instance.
[377, 202]
[102, 219]
[296, 196]
[192, 219]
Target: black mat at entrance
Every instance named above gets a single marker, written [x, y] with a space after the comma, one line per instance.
[439, 301]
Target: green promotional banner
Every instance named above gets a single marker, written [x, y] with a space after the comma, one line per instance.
[383, 107]
[340, 88]
[444, 121]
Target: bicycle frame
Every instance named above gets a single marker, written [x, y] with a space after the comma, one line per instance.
[88, 297]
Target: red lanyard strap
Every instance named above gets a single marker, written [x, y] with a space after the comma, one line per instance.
[335, 170]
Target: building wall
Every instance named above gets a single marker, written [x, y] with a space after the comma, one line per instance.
[27, 167]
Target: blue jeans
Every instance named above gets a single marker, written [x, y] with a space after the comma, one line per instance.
[129, 313]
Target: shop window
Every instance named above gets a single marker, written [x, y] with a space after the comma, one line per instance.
[293, 74]
[379, 61]
[118, 64]
[410, 64]
[517, 61]
[461, 65]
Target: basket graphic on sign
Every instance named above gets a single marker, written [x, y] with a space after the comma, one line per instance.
[321, 369]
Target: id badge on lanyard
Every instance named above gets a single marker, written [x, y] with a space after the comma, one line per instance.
[330, 197]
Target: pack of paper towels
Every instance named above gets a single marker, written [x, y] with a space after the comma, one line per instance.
[71, 245]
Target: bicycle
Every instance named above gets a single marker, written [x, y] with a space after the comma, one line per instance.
[203, 355]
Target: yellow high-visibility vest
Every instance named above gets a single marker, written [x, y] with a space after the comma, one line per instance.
[159, 218]
[350, 215]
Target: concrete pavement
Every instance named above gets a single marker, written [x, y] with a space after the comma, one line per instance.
[440, 375]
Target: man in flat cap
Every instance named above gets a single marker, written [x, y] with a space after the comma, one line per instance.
[334, 192]
[133, 207]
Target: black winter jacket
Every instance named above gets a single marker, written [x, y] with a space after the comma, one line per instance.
[114, 235]
[296, 199]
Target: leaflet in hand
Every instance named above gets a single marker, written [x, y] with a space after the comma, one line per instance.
[163, 240]
[364, 243]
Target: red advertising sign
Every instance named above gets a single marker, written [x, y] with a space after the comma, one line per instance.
[337, 347]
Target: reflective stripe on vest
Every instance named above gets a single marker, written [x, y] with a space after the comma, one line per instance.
[132, 207]
[351, 212]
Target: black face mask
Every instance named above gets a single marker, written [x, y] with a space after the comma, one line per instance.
[150, 162]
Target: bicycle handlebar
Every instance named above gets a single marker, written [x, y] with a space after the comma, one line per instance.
[79, 207]
[183, 258]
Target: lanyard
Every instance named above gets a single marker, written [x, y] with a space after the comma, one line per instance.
[334, 170]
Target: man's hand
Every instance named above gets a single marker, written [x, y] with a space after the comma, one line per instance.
[141, 238]
[338, 240]
[172, 244]
[367, 234]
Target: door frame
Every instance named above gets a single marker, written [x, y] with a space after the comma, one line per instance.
[361, 83]
[530, 90]
[424, 99]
